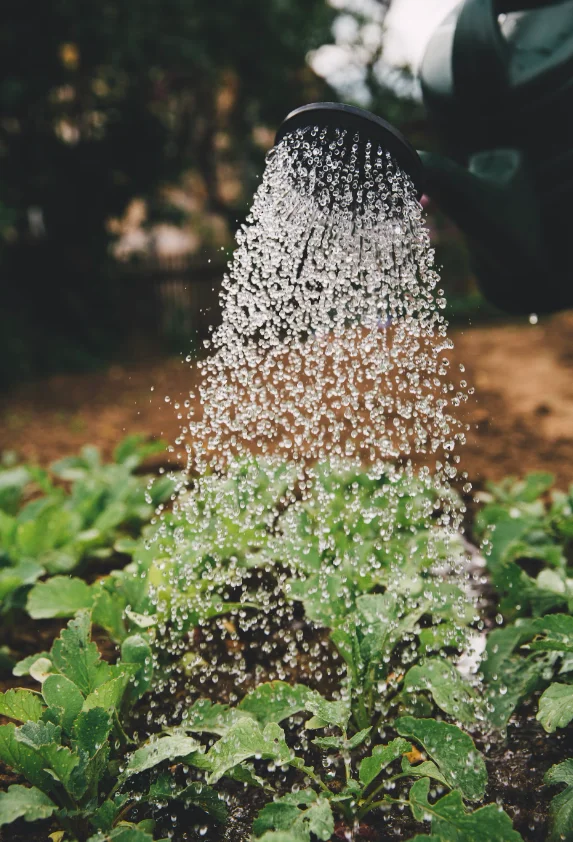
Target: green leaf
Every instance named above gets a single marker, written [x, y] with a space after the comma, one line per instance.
[457, 758]
[22, 759]
[557, 631]
[206, 798]
[426, 837]
[21, 705]
[39, 734]
[298, 813]
[59, 596]
[357, 739]
[426, 769]
[340, 744]
[206, 717]
[108, 611]
[60, 692]
[561, 806]
[451, 822]
[107, 696]
[275, 701]
[329, 713]
[24, 573]
[21, 802]
[247, 739]
[245, 774]
[381, 757]
[158, 750]
[561, 773]
[442, 680]
[136, 650]
[77, 657]
[23, 666]
[44, 738]
[91, 730]
[556, 707]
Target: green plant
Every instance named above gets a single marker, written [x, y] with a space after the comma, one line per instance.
[527, 528]
[53, 533]
[355, 531]
[358, 779]
[71, 744]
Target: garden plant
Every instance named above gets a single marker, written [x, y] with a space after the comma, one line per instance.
[367, 722]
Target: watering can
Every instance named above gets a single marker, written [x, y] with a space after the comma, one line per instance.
[497, 80]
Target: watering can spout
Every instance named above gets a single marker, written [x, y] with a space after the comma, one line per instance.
[493, 203]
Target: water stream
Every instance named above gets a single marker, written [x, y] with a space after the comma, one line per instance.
[327, 379]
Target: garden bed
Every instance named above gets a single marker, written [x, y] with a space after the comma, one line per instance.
[234, 648]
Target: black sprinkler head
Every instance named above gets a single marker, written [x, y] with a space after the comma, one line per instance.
[335, 115]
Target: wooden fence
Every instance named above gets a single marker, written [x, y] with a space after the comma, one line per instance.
[173, 301]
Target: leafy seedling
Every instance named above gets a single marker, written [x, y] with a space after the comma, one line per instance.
[68, 739]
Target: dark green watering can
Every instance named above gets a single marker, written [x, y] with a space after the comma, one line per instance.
[497, 79]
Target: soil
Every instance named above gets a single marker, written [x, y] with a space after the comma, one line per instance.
[521, 419]
[521, 415]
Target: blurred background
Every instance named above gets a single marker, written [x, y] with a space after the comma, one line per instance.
[132, 137]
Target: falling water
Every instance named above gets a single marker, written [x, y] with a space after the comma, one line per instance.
[332, 342]
[332, 357]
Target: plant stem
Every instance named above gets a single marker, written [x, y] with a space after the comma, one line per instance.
[360, 713]
[123, 812]
[308, 770]
[365, 807]
[375, 804]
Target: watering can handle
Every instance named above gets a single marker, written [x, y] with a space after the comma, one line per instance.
[480, 54]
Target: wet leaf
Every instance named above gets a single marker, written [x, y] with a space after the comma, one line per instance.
[206, 798]
[244, 740]
[107, 696]
[44, 739]
[454, 752]
[556, 631]
[561, 806]
[91, 730]
[446, 686]
[452, 823]
[158, 750]
[206, 716]
[77, 657]
[340, 744]
[556, 707]
[381, 757]
[327, 713]
[23, 759]
[137, 651]
[28, 803]
[60, 692]
[300, 814]
[21, 705]
[426, 769]
[276, 700]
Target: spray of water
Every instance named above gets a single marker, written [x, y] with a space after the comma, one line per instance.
[332, 342]
[329, 372]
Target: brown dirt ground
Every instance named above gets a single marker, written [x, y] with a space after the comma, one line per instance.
[521, 415]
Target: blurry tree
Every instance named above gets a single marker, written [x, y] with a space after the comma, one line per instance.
[104, 100]
[355, 66]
